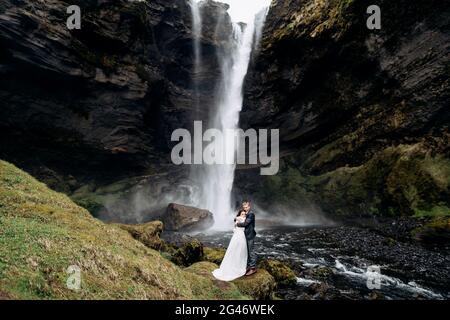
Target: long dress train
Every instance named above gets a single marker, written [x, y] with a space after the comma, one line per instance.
[234, 263]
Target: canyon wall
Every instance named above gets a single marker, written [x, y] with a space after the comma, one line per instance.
[363, 114]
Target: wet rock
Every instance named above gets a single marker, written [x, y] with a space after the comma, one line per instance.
[109, 95]
[322, 273]
[436, 231]
[387, 152]
[185, 218]
[375, 295]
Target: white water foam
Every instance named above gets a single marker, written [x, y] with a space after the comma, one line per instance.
[217, 180]
[385, 280]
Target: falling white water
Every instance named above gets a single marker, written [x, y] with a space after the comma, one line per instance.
[217, 180]
[197, 32]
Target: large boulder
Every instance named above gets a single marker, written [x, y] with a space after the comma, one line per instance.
[185, 218]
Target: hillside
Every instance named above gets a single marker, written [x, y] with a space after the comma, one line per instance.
[43, 232]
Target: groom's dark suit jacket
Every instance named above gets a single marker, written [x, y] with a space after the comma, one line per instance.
[249, 225]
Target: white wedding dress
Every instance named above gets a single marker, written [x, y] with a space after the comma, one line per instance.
[234, 263]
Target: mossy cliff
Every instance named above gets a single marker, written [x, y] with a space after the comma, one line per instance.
[406, 180]
[363, 114]
[43, 232]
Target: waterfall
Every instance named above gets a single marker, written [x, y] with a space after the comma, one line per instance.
[197, 32]
[217, 180]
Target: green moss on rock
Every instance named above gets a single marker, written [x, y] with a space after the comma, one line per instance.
[260, 286]
[228, 289]
[214, 255]
[189, 253]
[322, 273]
[281, 272]
[408, 180]
[147, 233]
[435, 230]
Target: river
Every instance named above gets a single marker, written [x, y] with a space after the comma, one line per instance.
[333, 262]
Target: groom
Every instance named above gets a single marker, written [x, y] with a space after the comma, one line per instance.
[250, 234]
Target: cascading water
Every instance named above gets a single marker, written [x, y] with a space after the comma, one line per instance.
[197, 31]
[217, 180]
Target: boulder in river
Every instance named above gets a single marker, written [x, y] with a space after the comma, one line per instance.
[185, 218]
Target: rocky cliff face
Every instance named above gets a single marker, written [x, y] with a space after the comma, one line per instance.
[363, 115]
[100, 102]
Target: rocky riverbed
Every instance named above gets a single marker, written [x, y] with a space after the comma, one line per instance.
[333, 263]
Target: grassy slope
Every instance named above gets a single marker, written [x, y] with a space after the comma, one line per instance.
[42, 233]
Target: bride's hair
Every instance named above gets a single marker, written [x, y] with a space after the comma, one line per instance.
[239, 212]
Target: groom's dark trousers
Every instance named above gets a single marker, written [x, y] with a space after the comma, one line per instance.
[250, 234]
[251, 262]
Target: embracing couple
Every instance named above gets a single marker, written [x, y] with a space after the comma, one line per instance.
[240, 258]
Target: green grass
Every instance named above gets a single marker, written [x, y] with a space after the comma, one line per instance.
[436, 211]
[43, 232]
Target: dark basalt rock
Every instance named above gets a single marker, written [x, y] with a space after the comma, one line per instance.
[186, 219]
[360, 112]
[98, 103]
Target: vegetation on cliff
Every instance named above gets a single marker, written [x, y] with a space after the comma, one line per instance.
[407, 180]
[362, 113]
[43, 232]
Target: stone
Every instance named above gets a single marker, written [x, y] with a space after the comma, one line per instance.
[189, 253]
[185, 218]
[260, 286]
[282, 273]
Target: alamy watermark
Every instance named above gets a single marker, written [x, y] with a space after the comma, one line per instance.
[374, 20]
[373, 277]
[74, 280]
[228, 147]
[74, 20]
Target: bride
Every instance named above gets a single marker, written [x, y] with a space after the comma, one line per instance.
[234, 263]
